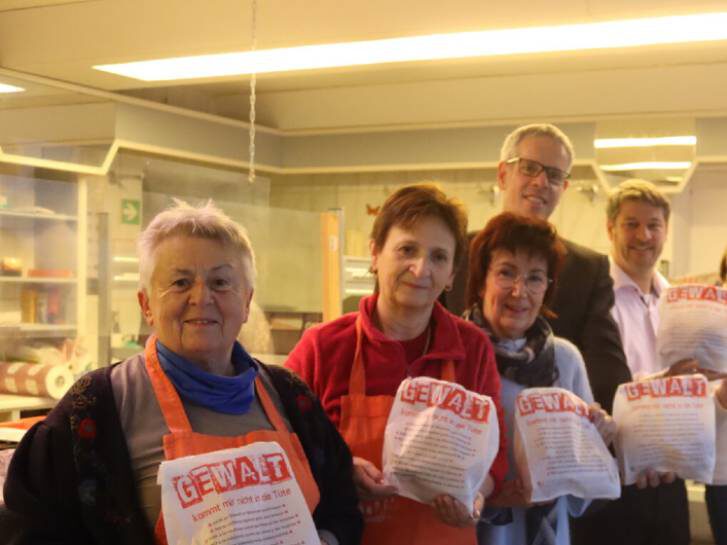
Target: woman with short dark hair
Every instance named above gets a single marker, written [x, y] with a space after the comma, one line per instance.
[513, 271]
[356, 363]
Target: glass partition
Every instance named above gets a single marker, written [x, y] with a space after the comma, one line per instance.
[287, 243]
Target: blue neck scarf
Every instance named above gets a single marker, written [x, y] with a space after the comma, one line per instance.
[229, 395]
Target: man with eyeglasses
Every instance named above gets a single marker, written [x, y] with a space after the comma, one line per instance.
[533, 173]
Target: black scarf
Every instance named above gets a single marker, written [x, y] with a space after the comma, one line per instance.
[531, 366]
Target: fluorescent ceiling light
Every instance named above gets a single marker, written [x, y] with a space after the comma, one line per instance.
[606, 143]
[648, 165]
[625, 33]
[5, 88]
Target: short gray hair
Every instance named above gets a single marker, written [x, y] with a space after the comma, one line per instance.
[636, 190]
[206, 221]
[512, 140]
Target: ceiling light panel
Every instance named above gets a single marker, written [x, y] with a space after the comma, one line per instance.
[5, 88]
[610, 143]
[648, 165]
[605, 35]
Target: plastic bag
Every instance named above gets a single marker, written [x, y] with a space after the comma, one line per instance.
[246, 494]
[558, 450]
[666, 424]
[693, 324]
[440, 439]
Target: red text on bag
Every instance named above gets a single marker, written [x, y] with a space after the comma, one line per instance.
[696, 293]
[667, 387]
[448, 397]
[551, 402]
[227, 475]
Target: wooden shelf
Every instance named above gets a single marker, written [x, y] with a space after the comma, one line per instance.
[36, 330]
[37, 215]
[37, 280]
[12, 405]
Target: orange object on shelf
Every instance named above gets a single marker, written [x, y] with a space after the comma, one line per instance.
[50, 273]
[22, 423]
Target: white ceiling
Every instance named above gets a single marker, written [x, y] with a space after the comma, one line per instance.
[63, 40]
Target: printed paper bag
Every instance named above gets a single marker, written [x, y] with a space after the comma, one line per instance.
[693, 324]
[239, 495]
[558, 450]
[720, 462]
[665, 424]
[440, 439]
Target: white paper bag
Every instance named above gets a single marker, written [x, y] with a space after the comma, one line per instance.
[665, 424]
[240, 495]
[693, 324]
[558, 450]
[440, 439]
[720, 463]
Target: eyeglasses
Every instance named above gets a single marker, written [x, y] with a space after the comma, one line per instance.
[531, 169]
[535, 283]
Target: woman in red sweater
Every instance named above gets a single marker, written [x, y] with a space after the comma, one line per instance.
[356, 363]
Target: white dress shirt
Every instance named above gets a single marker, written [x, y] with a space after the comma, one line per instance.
[637, 317]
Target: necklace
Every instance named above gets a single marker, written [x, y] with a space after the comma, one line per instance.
[429, 338]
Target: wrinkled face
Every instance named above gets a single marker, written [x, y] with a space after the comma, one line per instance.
[637, 236]
[510, 311]
[198, 298]
[415, 265]
[529, 196]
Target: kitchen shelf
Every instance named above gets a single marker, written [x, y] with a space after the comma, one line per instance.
[37, 215]
[37, 280]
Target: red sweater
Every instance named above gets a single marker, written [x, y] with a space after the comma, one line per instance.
[324, 358]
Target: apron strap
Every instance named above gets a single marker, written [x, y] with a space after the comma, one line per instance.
[357, 381]
[448, 373]
[269, 407]
[167, 396]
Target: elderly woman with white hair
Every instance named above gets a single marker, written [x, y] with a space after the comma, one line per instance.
[88, 473]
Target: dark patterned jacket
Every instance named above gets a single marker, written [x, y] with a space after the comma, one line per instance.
[71, 479]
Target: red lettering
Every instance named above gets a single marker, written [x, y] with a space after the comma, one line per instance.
[423, 393]
[186, 491]
[667, 387]
[223, 476]
[448, 397]
[229, 475]
[524, 406]
[408, 393]
[696, 293]
[276, 468]
[454, 401]
[551, 402]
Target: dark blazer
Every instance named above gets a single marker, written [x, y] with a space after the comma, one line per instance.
[583, 302]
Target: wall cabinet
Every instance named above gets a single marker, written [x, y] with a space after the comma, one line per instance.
[39, 246]
[42, 265]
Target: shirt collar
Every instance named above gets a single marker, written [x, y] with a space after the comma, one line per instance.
[622, 280]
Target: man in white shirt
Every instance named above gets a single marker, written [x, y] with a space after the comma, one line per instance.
[638, 218]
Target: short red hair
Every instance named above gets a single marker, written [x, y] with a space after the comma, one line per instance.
[514, 233]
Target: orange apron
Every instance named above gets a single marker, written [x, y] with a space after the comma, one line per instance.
[182, 441]
[394, 520]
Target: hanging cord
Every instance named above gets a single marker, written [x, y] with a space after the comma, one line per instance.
[253, 84]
